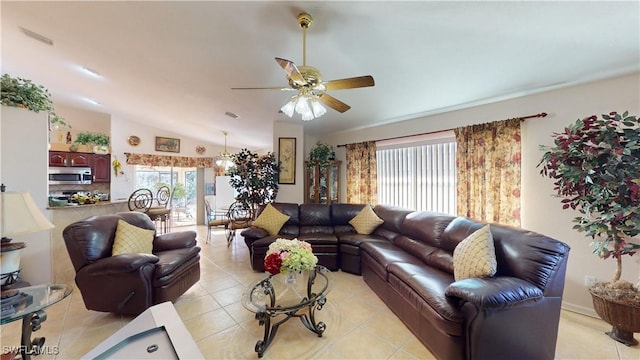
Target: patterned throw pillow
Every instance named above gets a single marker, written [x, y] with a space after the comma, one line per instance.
[132, 239]
[475, 256]
[271, 220]
[366, 221]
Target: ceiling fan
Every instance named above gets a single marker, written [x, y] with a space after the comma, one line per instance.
[307, 81]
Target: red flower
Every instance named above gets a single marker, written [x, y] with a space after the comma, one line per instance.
[272, 263]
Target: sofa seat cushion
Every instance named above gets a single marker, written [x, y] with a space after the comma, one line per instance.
[384, 253]
[319, 239]
[171, 260]
[350, 242]
[429, 284]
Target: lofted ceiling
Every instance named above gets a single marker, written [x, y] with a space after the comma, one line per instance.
[172, 64]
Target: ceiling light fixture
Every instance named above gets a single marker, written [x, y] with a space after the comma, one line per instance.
[306, 103]
[224, 159]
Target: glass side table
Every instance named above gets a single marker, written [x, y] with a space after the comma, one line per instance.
[292, 295]
[30, 308]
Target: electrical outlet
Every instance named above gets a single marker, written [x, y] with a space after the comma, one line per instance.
[589, 280]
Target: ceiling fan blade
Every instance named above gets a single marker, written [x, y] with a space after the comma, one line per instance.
[292, 70]
[334, 103]
[349, 83]
[264, 88]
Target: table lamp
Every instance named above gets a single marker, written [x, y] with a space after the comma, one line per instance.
[20, 215]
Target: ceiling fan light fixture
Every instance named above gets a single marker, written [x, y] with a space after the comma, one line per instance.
[288, 108]
[318, 109]
[302, 106]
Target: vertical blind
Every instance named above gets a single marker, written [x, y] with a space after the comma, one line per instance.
[421, 177]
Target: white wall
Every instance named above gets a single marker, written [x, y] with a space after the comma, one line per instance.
[121, 129]
[541, 212]
[24, 163]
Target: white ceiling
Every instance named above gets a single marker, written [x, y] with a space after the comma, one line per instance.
[171, 65]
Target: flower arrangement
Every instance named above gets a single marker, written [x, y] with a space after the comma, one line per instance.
[289, 256]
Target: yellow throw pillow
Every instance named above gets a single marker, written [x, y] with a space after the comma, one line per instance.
[475, 256]
[366, 221]
[132, 239]
[271, 220]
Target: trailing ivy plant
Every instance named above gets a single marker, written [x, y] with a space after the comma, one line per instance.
[24, 93]
[595, 165]
[254, 177]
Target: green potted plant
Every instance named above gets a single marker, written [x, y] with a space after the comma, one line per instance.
[595, 165]
[99, 141]
[321, 154]
[254, 177]
[24, 93]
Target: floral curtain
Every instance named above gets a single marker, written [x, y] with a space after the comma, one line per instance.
[164, 160]
[488, 170]
[362, 173]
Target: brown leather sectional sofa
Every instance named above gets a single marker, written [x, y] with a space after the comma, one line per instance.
[408, 262]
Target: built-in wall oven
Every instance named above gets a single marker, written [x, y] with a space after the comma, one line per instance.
[70, 176]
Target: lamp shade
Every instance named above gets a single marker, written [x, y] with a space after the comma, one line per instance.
[21, 215]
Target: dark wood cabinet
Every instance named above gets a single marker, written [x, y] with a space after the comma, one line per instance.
[322, 183]
[69, 159]
[100, 164]
[101, 167]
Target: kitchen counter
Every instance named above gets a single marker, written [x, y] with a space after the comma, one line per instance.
[99, 203]
[61, 216]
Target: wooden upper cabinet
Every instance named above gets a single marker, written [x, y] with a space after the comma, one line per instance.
[70, 159]
[101, 168]
[58, 158]
[80, 159]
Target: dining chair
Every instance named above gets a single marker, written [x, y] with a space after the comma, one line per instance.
[214, 219]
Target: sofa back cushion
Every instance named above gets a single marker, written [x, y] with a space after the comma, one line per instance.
[427, 227]
[393, 217]
[519, 253]
[291, 227]
[341, 214]
[315, 218]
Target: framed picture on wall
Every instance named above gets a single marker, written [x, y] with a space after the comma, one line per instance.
[167, 144]
[287, 158]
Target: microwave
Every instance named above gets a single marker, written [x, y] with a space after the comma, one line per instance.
[70, 176]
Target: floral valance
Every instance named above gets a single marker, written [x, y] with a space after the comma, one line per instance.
[164, 160]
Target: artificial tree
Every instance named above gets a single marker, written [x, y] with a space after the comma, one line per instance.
[595, 165]
[254, 177]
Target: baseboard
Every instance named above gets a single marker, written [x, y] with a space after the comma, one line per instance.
[588, 311]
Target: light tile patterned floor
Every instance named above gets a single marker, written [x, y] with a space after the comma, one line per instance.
[359, 325]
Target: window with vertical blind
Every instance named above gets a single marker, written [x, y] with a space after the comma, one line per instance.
[418, 175]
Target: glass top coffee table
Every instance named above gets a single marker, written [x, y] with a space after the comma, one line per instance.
[292, 295]
[28, 304]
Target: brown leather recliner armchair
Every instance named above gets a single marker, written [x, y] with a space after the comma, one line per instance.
[130, 283]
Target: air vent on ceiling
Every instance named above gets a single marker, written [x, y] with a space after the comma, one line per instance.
[35, 35]
[231, 115]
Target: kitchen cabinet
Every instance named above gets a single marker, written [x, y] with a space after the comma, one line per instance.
[101, 168]
[322, 183]
[100, 164]
[69, 159]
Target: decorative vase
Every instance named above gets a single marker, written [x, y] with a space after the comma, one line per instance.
[624, 319]
[100, 149]
[73, 147]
